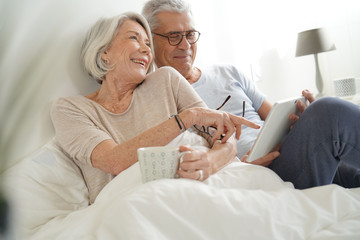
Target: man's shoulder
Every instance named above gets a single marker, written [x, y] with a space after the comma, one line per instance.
[225, 70]
[221, 68]
[216, 66]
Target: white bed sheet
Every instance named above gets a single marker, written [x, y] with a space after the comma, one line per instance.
[242, 201]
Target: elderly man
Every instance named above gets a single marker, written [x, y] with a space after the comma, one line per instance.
[171, 21]
[175, 41]
[221, 153]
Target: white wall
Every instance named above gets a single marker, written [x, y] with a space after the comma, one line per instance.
[39, 62]
[40, 41]
[263, 33]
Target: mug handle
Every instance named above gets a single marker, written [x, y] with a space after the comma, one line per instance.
[182, 155]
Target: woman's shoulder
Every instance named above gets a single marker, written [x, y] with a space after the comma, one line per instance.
[70, 103]
[164, 75]
[71, 100]
[79, 106]
[164, 71]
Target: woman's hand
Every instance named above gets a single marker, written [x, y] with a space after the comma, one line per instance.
[195, 164]
[225, 123]
[302, 106]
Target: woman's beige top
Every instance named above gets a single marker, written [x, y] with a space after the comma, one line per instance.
[81, 124]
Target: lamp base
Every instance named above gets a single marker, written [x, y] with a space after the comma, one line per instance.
[318, 78]
[319, 95]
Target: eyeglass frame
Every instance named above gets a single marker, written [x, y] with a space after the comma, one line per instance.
[182, 36]
[210, 130]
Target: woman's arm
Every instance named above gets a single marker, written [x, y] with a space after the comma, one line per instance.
[114, 158]
[221, 154]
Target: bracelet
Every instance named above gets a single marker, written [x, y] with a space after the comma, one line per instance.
[179, 122]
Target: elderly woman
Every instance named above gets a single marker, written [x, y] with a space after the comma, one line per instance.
[132, 108]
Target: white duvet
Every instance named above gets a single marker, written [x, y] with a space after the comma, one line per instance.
[242, 201]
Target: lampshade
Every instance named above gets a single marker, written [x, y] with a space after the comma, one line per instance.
[313, 41]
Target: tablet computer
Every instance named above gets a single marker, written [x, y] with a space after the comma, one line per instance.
[275, 128]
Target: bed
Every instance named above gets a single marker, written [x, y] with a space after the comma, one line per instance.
[45, 190]
[49, 200]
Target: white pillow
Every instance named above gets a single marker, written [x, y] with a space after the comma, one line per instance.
[45, 185]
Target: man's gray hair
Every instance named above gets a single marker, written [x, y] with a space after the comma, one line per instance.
[153, 7]
[100, 37]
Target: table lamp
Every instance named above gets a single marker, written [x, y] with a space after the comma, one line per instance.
[314, 41]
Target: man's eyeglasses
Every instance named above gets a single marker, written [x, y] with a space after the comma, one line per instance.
[175, 38]
[211, 130]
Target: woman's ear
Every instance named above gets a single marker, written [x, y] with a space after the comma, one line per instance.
[105, 57]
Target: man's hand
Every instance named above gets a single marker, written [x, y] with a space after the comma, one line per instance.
[302, 106]
[265, 160]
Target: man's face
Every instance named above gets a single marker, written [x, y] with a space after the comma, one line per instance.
[182, 56]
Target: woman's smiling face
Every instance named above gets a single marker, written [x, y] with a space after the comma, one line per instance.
[130, 53]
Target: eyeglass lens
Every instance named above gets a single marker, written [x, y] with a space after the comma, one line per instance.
[176, 38]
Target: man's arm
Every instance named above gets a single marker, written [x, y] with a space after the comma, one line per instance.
[264, 109]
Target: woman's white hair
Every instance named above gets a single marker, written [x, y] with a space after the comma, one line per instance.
[100, 37]
[153, 7]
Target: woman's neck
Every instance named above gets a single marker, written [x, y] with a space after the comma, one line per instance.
[113, 96]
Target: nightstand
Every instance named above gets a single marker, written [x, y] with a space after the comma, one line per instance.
[354, 99]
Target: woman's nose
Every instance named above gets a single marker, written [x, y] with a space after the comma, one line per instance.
[145, 48]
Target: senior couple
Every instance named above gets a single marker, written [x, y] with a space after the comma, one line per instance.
[137, 106]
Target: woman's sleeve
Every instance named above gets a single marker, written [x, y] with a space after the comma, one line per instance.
[184, 93]
[75, 131]
[187, 97]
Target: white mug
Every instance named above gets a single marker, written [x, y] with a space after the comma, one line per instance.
[159, 162]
